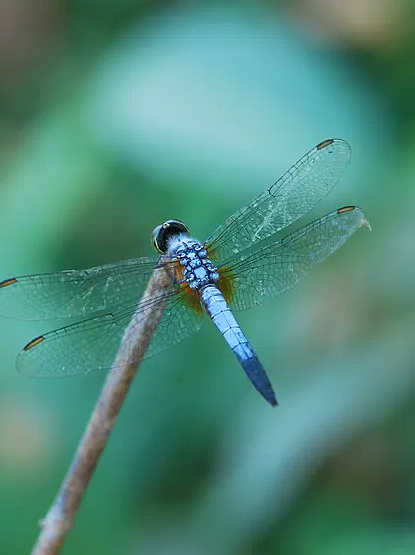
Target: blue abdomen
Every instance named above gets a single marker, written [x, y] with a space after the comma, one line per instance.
[226, 323]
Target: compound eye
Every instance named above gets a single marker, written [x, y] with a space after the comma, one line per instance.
[163, 233]
[155, 237]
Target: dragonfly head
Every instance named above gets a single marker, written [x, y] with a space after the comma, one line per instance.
[162, 234]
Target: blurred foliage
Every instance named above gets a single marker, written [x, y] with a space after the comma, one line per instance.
[115, 116]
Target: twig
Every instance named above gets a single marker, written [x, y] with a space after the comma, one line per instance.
[136, 339]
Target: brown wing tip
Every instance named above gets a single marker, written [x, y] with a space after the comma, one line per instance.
[7, 282]
[33, 343]
[325, 143]
[345, 209]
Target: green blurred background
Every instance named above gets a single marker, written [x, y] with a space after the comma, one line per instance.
[117, 115]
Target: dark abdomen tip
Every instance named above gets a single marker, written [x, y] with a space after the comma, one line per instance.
[256, 373]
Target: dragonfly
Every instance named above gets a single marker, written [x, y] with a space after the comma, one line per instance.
[243, 263]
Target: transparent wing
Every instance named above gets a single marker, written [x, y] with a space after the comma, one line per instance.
[76, 293]
[292, 196]
[279, 266]
[92, 344]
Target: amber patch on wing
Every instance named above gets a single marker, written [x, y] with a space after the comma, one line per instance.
[7, 282]
[191, 298]
[345, 209]
[33, 343]
[325, 143]
[226, 284]
[189, 295]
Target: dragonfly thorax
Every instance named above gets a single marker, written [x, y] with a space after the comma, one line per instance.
[198, 268]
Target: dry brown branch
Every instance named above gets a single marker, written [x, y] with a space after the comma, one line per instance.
[59, 519]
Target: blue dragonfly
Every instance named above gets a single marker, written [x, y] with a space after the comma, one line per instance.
[240, 265]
